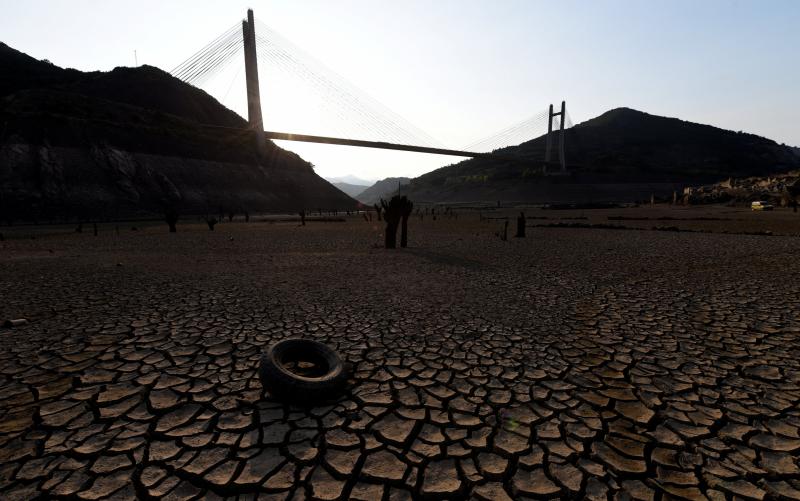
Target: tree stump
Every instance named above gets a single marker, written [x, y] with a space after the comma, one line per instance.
[407, 207]
[520, 225]
[171, 217]
[394, 211]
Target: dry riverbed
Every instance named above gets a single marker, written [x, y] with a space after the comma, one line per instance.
[577, 362]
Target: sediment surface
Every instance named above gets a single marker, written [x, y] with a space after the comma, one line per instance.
[575, 363]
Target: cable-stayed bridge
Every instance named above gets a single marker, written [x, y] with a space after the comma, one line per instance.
[360, 120]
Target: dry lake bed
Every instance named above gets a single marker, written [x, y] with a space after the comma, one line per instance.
[580, 362]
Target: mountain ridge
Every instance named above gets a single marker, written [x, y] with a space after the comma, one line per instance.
[131, 142]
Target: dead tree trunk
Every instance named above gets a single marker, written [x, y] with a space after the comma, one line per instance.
[171, 217]
[390, 239]
[520, 226]
[392, 213]
[407, 207]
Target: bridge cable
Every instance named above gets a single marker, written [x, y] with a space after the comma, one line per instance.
[501, 138]
[332, 94]
[348, 103]
[351, 97]
[342, 105]
[189, 64]
[213, 61]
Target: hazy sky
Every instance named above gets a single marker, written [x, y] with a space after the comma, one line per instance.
[462, 70]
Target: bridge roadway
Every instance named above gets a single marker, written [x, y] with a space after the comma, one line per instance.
[285, 136]
[383, 145]
[373, 144]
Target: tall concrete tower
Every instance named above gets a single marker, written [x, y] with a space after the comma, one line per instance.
[549, 138]
[561, 137]
[251, 74]
[548, 141]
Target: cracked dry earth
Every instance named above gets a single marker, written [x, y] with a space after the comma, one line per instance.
[576, 363]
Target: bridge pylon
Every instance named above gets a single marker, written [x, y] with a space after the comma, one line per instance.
[254, 117]
[549, 140]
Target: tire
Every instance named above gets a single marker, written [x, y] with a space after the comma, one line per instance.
[286, 382]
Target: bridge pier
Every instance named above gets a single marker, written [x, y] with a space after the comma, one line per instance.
[561, 137]
[254, 117]
[549, 139]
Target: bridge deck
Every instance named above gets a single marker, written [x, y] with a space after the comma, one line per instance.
[307, 138]
[373, 144]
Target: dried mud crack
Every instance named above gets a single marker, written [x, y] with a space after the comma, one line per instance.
[570, 364]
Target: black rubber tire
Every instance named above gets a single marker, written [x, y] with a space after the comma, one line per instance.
[286, 385]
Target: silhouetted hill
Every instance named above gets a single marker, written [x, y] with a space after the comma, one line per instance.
[623, 154]
[130, 141]
[155, 89]
[20, 71]
[381, 189]
[145, 87]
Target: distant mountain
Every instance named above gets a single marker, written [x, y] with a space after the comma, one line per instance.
[131, 141]
[351, 189]
[350, 179]
[622, 155]
[349, 184]
[384, 188]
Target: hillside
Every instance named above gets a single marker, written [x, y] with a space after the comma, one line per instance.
[131, 141]
[20, 71]
[622, 155]
[382, 189]
[779, 189]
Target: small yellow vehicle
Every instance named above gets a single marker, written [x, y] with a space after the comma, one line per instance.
[761, 205]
